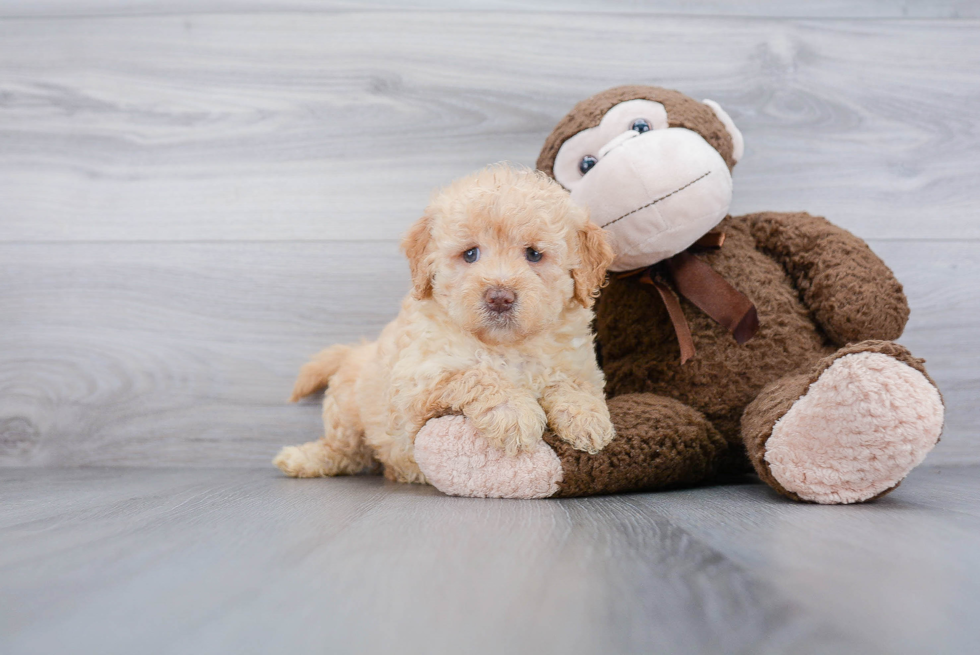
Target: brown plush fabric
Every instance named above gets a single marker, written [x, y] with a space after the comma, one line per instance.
[834, 271]
[641, 355]
[639, 347]
[682, 111]
[640, 351]
[660, 443]
[779, 396]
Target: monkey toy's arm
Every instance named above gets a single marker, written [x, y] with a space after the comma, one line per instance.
[851, 293]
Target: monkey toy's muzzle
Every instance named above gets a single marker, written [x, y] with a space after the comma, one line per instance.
[655, 193]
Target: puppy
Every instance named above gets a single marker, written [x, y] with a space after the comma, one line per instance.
[497, 328]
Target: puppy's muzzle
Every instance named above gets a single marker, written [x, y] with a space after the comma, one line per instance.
[500, 300]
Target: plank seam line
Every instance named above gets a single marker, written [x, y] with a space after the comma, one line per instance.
[501, 11]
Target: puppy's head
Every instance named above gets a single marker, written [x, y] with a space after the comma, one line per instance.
[504, 252]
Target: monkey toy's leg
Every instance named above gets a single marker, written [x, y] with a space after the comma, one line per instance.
[660, 442]
[847, 430]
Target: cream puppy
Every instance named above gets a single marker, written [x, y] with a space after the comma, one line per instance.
[497, 328]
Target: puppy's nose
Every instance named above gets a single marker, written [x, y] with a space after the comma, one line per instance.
[500, 299]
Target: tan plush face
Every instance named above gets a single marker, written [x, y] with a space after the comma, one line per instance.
[655, 189]
[504, 252]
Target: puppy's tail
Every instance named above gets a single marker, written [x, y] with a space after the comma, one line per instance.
[316, 373]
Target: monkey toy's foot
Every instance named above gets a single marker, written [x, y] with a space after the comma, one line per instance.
[847, 431]
[458, 461]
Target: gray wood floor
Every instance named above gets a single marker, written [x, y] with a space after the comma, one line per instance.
[195, 195]
[128, 560]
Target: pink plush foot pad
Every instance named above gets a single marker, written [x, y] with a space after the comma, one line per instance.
[457, 461]
[859, 429]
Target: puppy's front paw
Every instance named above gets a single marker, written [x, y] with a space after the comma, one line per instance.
[513, 426]
[583, 422]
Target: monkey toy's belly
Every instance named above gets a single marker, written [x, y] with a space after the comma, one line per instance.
[641, 353]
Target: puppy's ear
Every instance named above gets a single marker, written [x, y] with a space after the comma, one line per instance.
[414, 245]
[595, 255]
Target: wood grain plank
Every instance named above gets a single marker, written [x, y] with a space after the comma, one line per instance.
[131, 354]
[337, 126]
[886, 557]
[756, 8]
[183, 354]
[184, 562]
[117, 560]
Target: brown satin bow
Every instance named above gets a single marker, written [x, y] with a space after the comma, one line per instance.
[705, 288]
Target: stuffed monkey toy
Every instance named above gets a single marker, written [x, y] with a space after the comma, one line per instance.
[728, 343]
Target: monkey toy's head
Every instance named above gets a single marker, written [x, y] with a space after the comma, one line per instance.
[652, 165]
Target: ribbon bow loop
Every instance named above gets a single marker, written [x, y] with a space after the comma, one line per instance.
[705, 289]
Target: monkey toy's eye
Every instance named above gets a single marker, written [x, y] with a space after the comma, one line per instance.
[587, 163]
[471, 255]
[640, 125]
[533, 255]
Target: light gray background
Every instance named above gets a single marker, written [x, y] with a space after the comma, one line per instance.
[197, 195]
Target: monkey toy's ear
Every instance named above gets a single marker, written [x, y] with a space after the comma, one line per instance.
[738, 144]
[414, 245]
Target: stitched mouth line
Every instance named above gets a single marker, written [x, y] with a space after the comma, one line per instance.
[654, 202]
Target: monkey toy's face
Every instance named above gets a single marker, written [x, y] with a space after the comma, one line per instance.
[656, 189]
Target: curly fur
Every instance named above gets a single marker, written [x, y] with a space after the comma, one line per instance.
[447, 352]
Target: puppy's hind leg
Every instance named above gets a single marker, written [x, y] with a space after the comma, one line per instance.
[340, 451]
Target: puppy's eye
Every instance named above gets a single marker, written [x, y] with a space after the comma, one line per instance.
[533, 255]
[640, 125]
[471, 255]
[587, 163]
